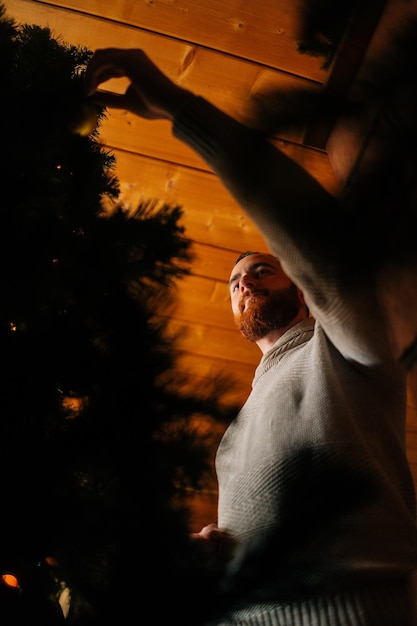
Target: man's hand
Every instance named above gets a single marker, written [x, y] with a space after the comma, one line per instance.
[212, 543]
[151, 94]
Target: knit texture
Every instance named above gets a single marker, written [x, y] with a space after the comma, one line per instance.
[314, 485]
[384, 605]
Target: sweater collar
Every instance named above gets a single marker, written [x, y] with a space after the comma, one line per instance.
[293, 337]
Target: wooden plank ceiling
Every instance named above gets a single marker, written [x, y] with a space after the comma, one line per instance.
[239, 54]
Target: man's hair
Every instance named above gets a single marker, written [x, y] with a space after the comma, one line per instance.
[244, 254]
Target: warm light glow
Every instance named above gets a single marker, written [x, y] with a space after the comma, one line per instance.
[10, 580]
[13, 326]
[51, 561]
[87, 122]
[73, 405]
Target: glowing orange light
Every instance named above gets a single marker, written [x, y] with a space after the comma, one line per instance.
[73, 405]
[10, 580]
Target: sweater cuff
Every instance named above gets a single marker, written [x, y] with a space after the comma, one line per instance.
[194, 124]
[204, 127]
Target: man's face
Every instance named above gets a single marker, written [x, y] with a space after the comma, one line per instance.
[263, 297]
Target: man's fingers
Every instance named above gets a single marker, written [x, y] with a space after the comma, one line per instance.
[109, 99]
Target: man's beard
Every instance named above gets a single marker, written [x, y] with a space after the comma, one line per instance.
[267, 311]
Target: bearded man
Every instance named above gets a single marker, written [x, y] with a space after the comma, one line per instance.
[316, 521]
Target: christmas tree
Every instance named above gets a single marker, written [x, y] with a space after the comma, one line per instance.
[98, 432]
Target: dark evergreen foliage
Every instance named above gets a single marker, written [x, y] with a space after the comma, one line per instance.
[323, 25]
[97, 430]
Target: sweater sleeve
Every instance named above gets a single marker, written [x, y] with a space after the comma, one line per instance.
[302, 224]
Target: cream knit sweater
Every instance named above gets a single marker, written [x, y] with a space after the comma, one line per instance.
[314, 483]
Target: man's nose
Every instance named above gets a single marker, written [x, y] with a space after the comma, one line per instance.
[246, 282]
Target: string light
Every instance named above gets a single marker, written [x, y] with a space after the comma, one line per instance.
[10, 580]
